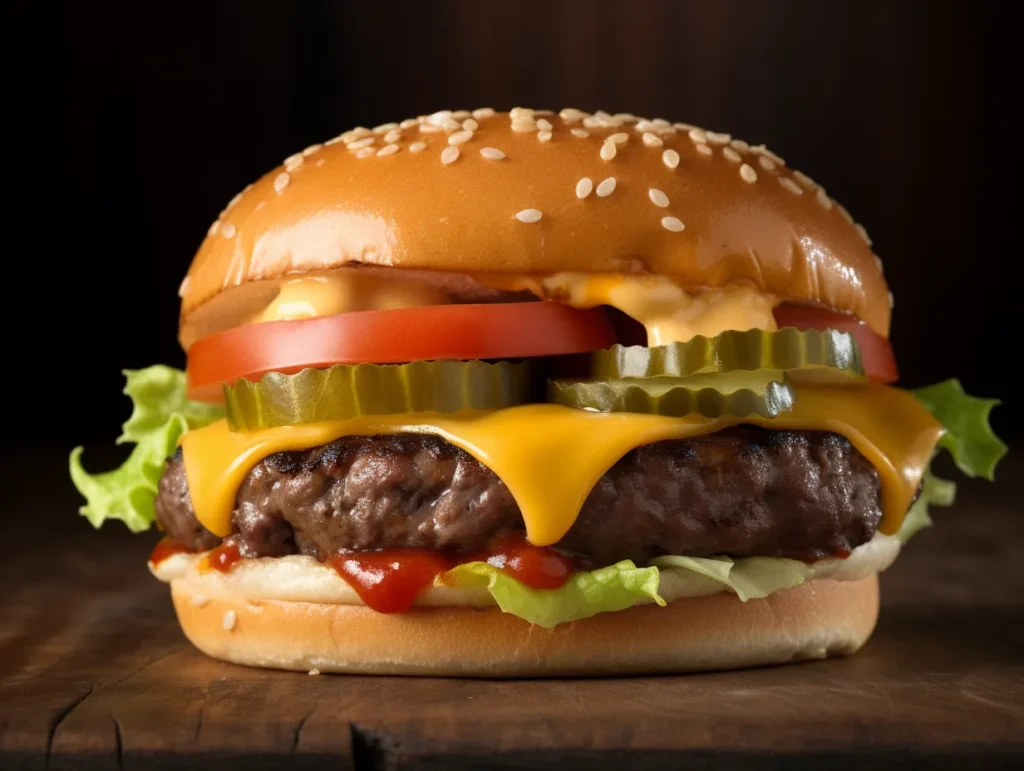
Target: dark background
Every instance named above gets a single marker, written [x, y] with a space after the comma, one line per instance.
[134, 125]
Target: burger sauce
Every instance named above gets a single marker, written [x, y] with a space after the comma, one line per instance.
[390, 580]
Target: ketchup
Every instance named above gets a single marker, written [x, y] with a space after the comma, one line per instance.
[168, 547]
[389, 580]
[539, 567]
[224, 557]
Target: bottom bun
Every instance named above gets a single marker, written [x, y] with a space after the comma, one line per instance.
[819, 619]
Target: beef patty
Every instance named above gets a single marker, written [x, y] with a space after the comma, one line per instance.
[742, 491]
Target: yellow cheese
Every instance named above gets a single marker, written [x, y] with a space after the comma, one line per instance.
[668, 311]
[551, 456]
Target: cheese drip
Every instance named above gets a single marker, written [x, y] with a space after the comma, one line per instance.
[550, 456]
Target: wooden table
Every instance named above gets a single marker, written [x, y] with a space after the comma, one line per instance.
[96, 674]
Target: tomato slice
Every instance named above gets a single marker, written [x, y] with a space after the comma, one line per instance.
[875, 351]
[491, 331]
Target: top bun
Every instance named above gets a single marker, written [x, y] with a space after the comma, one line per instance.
[461, 192]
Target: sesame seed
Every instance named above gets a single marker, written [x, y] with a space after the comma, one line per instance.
[353, 134]
[716, 138]
[571, 115]
[625, 117]
[392, 136]
[387, 150]
[439, 117]
[451, 125]
[892, 301]
[483, 112]
[704, 149]
[281, 181]
[334, 141]
[314, 671]
[461, 114]
[748, 174]
[529, 215]
[198, 600]
[766, 163]
[672, 223]
[862, 233]
[739, 145]
[581, 133]
[731, 154]
[213, 228]
[652, 140]
[228, 230]
[312, 149]
[470, 125]
[544, 136]
[791, 186]
[698, 136]
[608, 150]
[408, 123]
[417, 147]
[520, 112]
[544, 124]
[683, 126]
[384, 128]
[359, 144]
[493, 153]
[823, 200]
[429, 128]
[365, 152]
[460, 137]
[657, 197]
[584, 187]
[229, 620]
[606, 188]
[234, 201]
[670, 158]
[524, 126]
[878, 262]
[261, 204]
[319, 163]
[620, 139]
[844, 213]
[449, 155]
[183, 287]
[804, 180]
[291, 163]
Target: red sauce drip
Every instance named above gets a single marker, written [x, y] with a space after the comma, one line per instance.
[539, 567]
[389, 580]
[168, 547]
[224, 557]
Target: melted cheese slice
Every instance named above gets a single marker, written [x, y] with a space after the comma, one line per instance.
[550, 456]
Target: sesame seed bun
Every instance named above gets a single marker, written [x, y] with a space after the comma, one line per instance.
[537, 193]
[819, 619]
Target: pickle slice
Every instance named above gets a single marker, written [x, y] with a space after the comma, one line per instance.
[343, 391]
[823, 356]
[672, 398]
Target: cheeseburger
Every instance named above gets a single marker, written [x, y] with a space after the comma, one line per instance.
[532, 393]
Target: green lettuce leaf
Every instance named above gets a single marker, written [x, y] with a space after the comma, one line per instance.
[748, 577]
[161, 413]
[969, 438]
[935, 491]
[615, 587]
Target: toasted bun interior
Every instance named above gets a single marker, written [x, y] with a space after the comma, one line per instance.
[819, 619]
[532, 192]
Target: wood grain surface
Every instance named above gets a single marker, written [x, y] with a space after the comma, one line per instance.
[95, 673]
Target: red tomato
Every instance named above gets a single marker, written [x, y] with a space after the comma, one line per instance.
[875, 351]
[493, 331]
